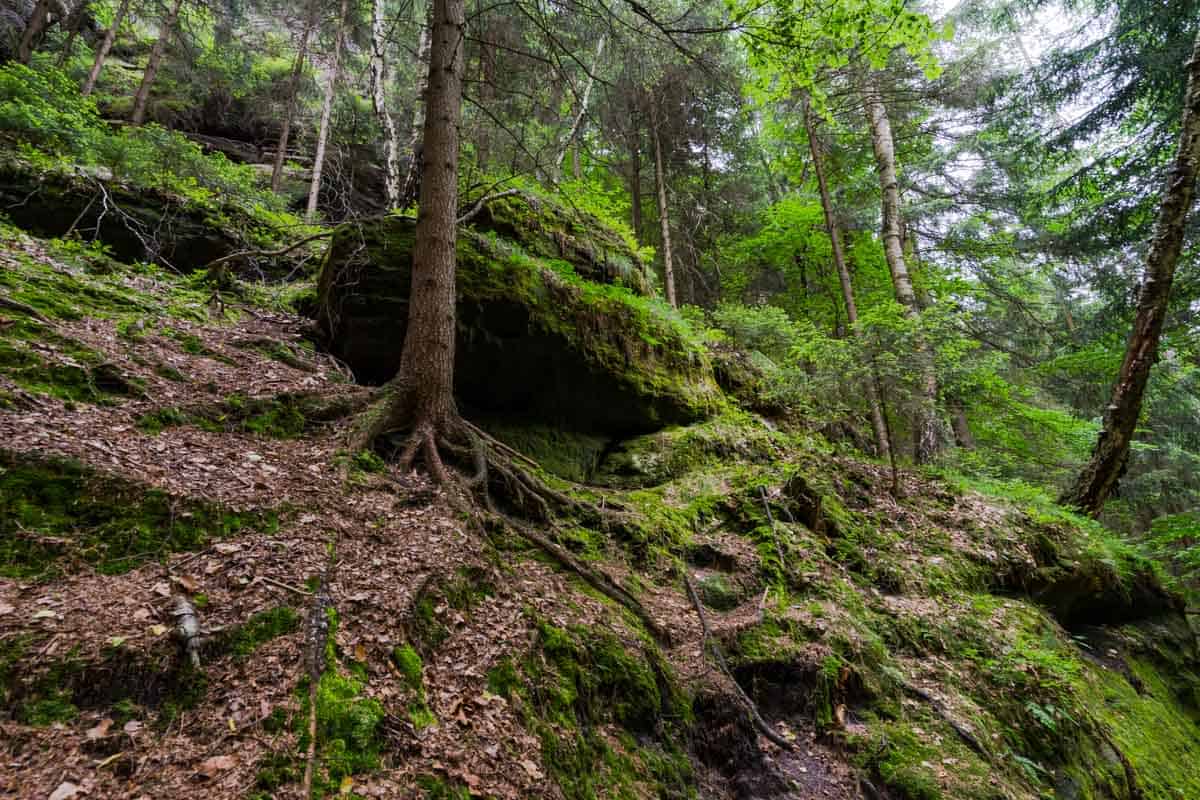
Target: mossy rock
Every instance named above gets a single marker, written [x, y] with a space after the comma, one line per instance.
[137, 225]
[535, 339]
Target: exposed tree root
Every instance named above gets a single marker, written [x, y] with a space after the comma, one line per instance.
[714, 647]
[967, 737]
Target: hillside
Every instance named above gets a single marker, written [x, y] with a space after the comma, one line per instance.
[733, 608]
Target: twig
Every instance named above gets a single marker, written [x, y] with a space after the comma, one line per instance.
[475, 209]
[282, 585]
[270, 253]
[714, 647]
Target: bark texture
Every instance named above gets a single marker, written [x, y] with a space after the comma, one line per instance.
[412, 180]
[882, 445]
[142, 98]
[664, 217]
[379, 73]
[38, 22]
[293, 93]
[635, 174]
[573, 132]
[926, 435]
[421, 396]
[1100, 476]
[110, 36]
[335, 71]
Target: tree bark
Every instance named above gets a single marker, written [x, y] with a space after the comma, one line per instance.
[882, 445]
[413, 180]
[391, 144]
[74, 23]
[1100, 476]
[664, 220]
[635, 174]
[422, 393]
[293, 96]
[335, 70]
[37, 23]
[102, 53]
[926, 437]
[142, 98]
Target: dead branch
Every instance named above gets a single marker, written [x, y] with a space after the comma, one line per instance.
[187, 628]
[966, 735]
[483, 201]
[714, 647]
[316, 639]
[269, 253]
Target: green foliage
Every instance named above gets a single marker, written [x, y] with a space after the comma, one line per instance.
[261, 628]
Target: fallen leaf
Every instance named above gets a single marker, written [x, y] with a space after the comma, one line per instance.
[100, 729]
[6, 608]
[157, 630]
[65, 791]
[360, 654]
[531, 768]
[212, 766]
[45, 613]
[162, 589]
[116, 641]
[225, 548]
[132, 727]
[188, 583]
[347, 785]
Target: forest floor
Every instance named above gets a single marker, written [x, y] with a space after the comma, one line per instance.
[391, 538]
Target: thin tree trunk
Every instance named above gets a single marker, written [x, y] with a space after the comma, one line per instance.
[74, 23]
[1099, 478]
[102, 53]
[142, 98]
[412, 180]
[569, 139]
[926, 436]
[391, 143]
[37, 23]
[664, 221]
[635, 174]
[487, 98]
[335, 70]
[293, 96]
[882, 446]
[424, 387]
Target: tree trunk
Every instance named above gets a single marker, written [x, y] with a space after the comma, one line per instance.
[664, 221]
[335, 70]
[74, 23]
[487, 98]
[416, 159]
[33, 29]
[635, 174]
[142, 98]
[569, 139]
[292, 98]
[391, 144]
[926, 437]
[882, 446]
[102, 53]
[422, 394]
[1099, 478]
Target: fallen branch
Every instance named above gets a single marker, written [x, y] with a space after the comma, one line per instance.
[187, 628]
[711, 644]
[16, 305]
[316, 638]
[283, 251]
[483, 201]
[282, 585]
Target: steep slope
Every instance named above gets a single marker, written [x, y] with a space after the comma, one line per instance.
[156, 447]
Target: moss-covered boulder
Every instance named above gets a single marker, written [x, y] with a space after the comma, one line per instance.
[536, 339]
[135, 223]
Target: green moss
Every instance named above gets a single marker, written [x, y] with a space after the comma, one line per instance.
[411, 668]
[439, 789]
[348, 736]
[272, 417]
[56, 707]
[52, 511]
[261, 628]
[75, 373]
[566, 454]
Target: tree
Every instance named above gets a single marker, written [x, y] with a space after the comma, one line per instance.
[420, 399]
[106, 44]
[293, 94]
[335, 69]
[142, 98]
[926, 434]
[664, 216]
[379, 79]
[878, 424]
[38, 22]
[1100, 476]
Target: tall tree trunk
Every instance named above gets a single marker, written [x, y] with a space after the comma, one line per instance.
[110, 36]
[422, 393]
[487, 97]
[927, 439]
[33, 29]
[635, 173]
[142, 98]
[293, 97]
[664, 219]
[391, 145]
[335, 71]
[878, 426]
[1099, 478]
[416, 159]
[569, 139]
